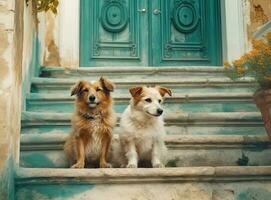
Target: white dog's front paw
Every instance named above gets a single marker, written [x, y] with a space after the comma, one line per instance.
[158, 165]
[131, 165]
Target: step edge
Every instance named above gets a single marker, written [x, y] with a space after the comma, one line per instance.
[136, 68]
[178, 95]
[169, 139]
[229, 173]
[205, 116]
[197, 80]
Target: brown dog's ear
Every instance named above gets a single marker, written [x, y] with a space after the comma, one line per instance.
[136, 91]
[107, 84]
[164, 90]
[77, 88]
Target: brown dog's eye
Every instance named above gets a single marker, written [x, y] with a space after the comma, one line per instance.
[148, 100]
[85, 90]
[98, 89]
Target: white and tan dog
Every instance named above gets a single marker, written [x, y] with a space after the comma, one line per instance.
[142, 127]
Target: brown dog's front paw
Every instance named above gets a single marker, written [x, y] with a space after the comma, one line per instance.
[105, 165]
[79, 165]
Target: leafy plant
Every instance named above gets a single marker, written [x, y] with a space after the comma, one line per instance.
[44, 5]
[243, 161]
[256, 63]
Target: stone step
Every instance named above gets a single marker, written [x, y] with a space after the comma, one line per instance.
[195, 102]
[46, 151]
[189, 183]
[208, 123]
[178, 84]
[122, 72]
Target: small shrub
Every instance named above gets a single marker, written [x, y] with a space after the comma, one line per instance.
[256, 63]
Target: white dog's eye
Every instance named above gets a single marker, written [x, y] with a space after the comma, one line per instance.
[148, 100]
[159, 100]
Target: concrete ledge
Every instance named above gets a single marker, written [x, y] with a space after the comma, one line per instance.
[178, 174]
[179, 118]
[131, 69]
[57, 82]
[176, 98]
[45, 142]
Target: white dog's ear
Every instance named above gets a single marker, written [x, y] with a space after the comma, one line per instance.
[77, 88]
[136, 91]
[107, 84]
[164, 90]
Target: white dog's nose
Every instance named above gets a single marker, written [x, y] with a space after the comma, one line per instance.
[159, 111]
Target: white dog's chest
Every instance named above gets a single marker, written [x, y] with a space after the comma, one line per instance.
[144, 142]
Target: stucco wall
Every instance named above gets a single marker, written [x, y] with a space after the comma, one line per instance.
[259, 14]
[9, 94]
[14, 54]
[59, 34]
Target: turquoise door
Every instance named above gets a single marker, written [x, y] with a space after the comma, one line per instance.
[150, 32]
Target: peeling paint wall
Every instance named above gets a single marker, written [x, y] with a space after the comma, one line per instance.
[259, 13]
[9, 86]
[145, 191]
[59, 35]
[13, 56]
[51, 55]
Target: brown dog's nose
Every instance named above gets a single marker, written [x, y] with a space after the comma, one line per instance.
[92, 98]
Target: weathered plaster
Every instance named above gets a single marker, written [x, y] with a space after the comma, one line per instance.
[51, 56]
[260, 13]
[64, 48]
[11, 53]
[6, 89]
[3, 63]
[69, 37]
[59, 35]
[6, 48]
[183, 190]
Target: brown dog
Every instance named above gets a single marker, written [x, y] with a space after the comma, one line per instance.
[92, 123]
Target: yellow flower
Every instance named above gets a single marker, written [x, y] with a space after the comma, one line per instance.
[256, 62]
[268, 36]
[268, 77]
[240, 70]
[238, 63]
[227, 65]
[258, 44]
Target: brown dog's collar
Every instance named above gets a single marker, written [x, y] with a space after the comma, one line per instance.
[88, 116]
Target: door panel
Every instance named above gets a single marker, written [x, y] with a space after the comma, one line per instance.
[150, 32]
[114, 36]
[188, 30]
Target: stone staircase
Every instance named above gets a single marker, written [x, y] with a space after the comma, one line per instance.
[217, 144]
